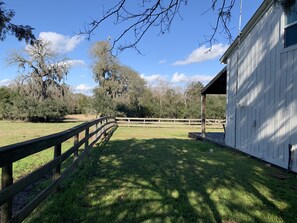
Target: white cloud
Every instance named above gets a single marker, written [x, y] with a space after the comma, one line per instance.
[162, 61]
[5, 82]
[183, 78]
[73, 63]
[202, 54]
[152, 78]
[83, 89]
[61, 43]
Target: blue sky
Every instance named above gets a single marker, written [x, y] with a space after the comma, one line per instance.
[177, 57]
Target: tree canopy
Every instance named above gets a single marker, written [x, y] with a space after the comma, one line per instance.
[40, 93]
[21, 32]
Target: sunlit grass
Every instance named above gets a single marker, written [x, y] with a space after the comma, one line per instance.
[15, 132]
[159, 175]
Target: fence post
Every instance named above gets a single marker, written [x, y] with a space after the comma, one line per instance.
[86, 136]
[7, 180]
[203, 115]
[57, 153]
[96, 131]
[101, 130]
[76, 139]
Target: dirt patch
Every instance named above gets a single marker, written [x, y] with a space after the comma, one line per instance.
[79, 118]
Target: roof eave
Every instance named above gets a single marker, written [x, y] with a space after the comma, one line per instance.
[247, 29]
[214, 80]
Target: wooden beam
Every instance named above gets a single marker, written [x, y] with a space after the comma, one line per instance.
[203, 115]
[7, 180]
[57, 153]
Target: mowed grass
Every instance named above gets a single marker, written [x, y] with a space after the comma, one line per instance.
[15, 132]
[159, 175]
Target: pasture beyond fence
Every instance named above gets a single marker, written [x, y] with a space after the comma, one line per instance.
[169, 123]
[98, 130]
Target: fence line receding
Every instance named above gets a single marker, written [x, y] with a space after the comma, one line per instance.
[169, 123]
[84, 138]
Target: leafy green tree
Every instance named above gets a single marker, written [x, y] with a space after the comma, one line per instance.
[216, 106]
[79, 104]
[103, 103]
[192, 101]
[5, 100]
[105, 65]
[21, 32]
[120, 87]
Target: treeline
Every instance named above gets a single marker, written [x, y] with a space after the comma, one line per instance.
[40, 93]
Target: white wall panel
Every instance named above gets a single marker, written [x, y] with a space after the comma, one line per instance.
[266, 115]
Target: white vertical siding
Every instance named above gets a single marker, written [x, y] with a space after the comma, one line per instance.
[294, 110]
[230, 109]
[266, 112]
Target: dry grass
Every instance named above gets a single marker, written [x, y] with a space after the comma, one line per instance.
[79, 117]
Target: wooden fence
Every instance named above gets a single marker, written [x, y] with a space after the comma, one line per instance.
[102, 130]
[169, 123]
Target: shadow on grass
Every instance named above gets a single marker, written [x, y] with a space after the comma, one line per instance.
[170, 180]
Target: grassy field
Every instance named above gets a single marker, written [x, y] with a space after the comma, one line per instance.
[159, 175]
[14, 132]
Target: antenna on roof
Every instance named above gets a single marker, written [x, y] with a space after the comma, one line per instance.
[240, 17]
[237, 64]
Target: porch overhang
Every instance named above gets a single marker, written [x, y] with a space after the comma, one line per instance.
[217, 85]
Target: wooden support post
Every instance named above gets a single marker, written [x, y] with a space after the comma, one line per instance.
[86, 136]
[7, 180]
[101, 130]
[76, 140]
[96, 132]
[57, 153]
[203, 115]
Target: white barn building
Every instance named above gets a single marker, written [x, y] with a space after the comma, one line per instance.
[261, 87]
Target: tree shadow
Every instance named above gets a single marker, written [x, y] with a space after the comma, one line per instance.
[169, 180]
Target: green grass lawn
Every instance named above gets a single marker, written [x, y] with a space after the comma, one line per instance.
[14, 132]
[159, 175]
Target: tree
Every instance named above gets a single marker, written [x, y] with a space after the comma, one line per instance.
[161, 14]
[216, 106]
[41, 71]
[120, 87]
[5, 99]
[192, 100]
[286, 4]
[104, 63]
[21, 32]
[40, 82]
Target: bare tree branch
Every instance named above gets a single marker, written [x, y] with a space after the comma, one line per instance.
[224, 11]
[161, 14]
[158, 13]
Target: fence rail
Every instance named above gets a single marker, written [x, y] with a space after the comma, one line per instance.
[169, 123]
[102, 129]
